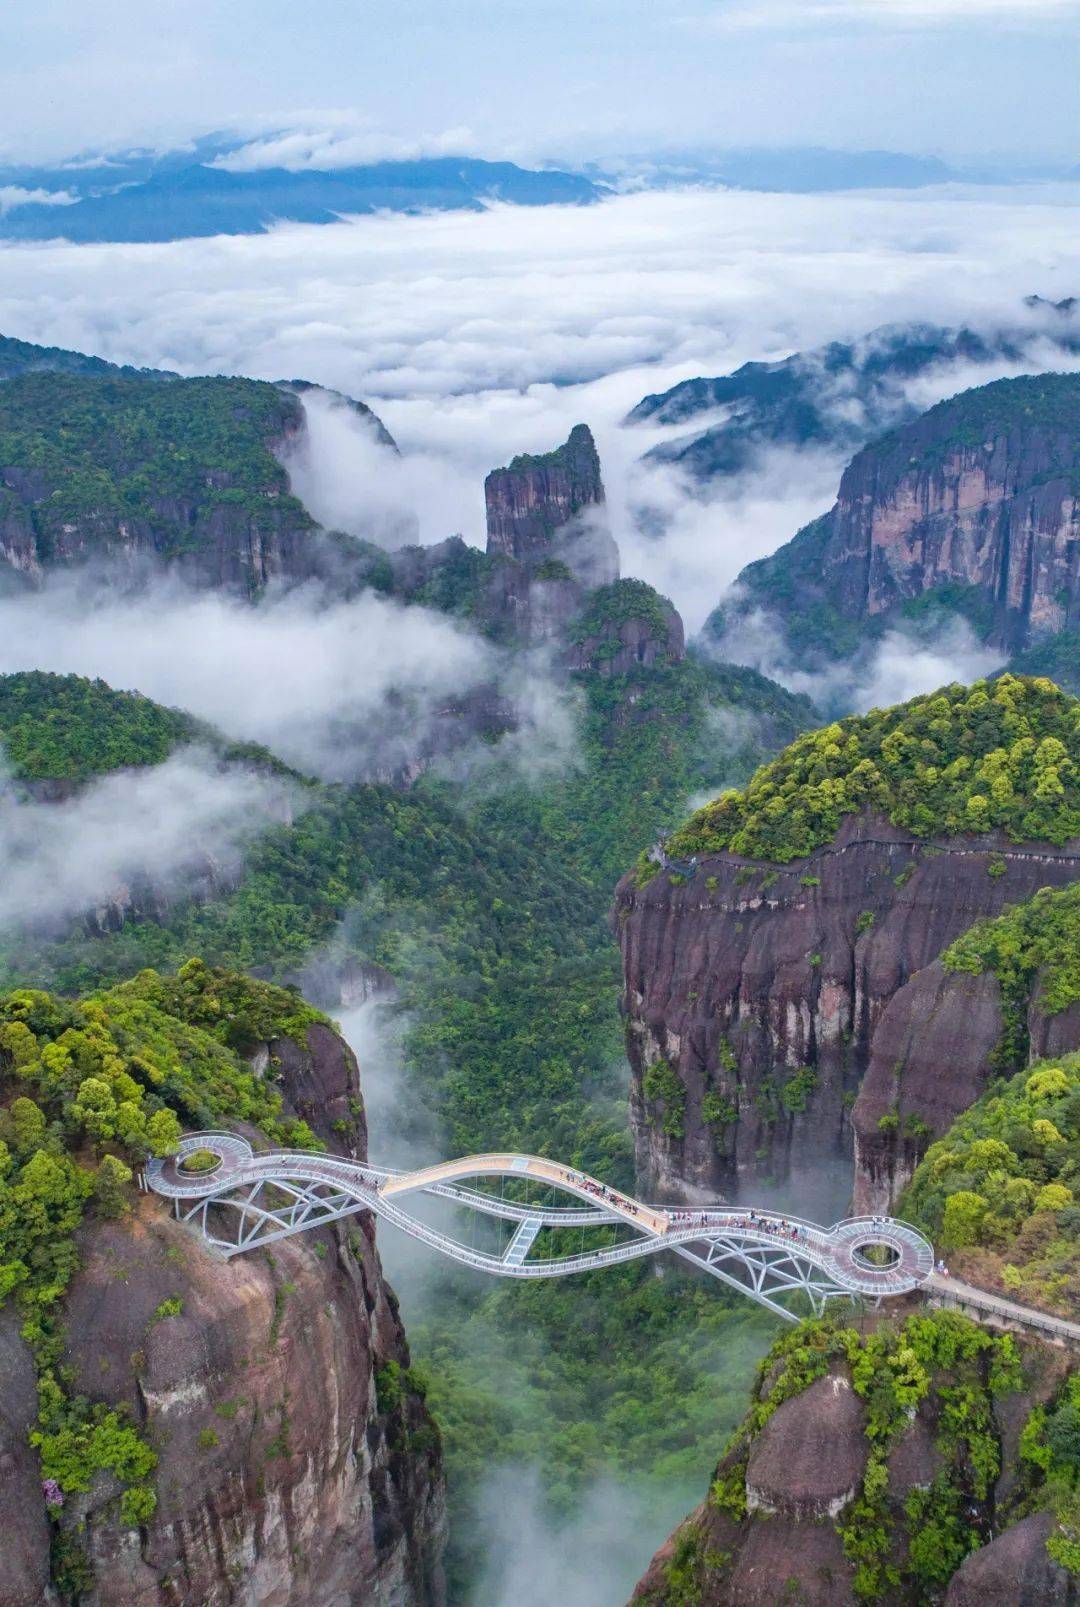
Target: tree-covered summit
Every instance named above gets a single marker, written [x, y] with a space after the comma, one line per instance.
[68, 727]
[80, 444]
[1001, 755]
[1047, 402]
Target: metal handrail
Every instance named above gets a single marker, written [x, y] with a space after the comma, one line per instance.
[770, 1241]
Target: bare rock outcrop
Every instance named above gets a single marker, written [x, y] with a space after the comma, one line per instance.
[936, 1022]
[754, 994]
[550, 507]
[810, 1458]
[625, 627]
[1014, 1568]
[24, 1556]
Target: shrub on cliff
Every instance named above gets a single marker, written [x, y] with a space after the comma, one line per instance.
[1028, 944]
[1001, 1188]
[999, 755]
[87, 1086]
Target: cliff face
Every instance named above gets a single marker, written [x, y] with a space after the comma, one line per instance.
[930, 1059]
[232, 547]
[552, 507]
[136, 470]
[974, 504]
[297, 1462]
[754, 996]
[772, 1527]
[915, 513]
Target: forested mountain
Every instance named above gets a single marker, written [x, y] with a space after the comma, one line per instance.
[970, 511]
[842, 395]
[848, 886]
[487, 906]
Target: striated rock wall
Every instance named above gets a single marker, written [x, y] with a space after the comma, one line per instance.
[552, 507]
[999, 515]
[974, 504]
[298, 1465]
[931, 1057]
[754, 996]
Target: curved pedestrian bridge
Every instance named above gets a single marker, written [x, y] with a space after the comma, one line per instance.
[240, 1200]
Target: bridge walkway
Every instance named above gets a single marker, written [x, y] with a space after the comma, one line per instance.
[998, 1309]
[522, 1242]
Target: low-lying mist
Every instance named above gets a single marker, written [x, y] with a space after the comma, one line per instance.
[154, 833]
[899, 666]
[476, 336]
[341, 690]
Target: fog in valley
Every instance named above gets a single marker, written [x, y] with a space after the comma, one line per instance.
[474, 337]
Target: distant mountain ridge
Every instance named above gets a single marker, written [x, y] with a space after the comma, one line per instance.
[141, 198]
[227, 184]
[837, 396]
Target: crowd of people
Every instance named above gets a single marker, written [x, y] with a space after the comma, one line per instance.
[749, 1222]
[589, 1185]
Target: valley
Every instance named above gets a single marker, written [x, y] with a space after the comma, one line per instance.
[610, 899]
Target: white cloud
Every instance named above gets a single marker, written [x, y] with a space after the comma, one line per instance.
[15, 195]
[803, 14]
[898, 667]
[328, 146]
[162, 829]
[710, 533]
[352, 482]
[344, 690]
[476, 336]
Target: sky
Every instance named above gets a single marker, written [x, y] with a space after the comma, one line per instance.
[559, 78]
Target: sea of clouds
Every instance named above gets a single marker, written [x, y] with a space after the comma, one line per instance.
[476, 336]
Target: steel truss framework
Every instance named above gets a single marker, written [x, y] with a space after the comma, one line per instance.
[245, 1201]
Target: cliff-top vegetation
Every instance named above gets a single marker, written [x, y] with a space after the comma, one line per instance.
[1047, 402]
[88, 1089]
[1001, 755]
[66, 727]
[1033, 949]
[1001, 1191]
[82, 448]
